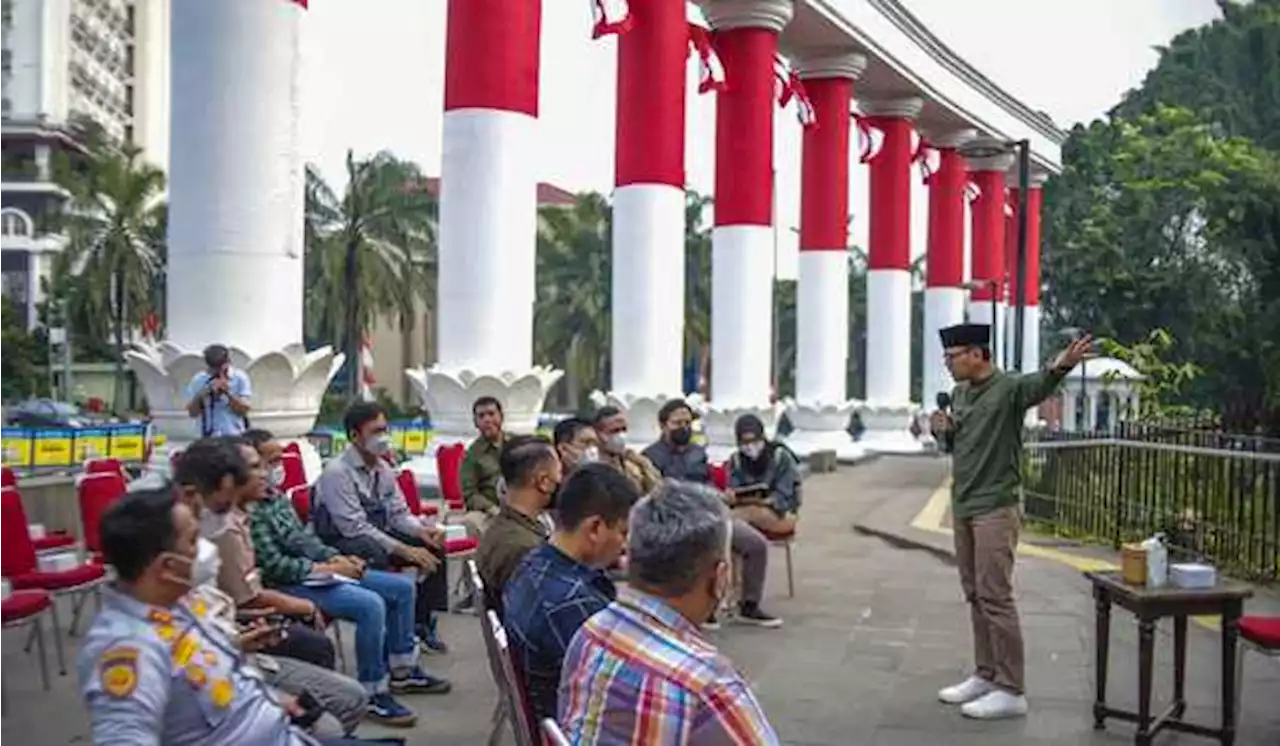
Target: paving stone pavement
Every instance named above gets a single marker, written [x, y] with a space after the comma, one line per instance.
[872, 634]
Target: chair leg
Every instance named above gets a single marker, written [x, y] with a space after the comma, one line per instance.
[791, 578]
[77, 605]
[31, 640]
[57, 628]
[57, 650]
[38, 627]
[499, 724]
[337, 645]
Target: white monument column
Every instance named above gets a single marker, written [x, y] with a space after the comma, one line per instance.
[649, 216]
[888, 411]
[742, 241]
[236, 186]
[488, 225]
[821, 409]
[944, 298]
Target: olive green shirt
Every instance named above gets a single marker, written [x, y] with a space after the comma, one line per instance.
[480, 474]
[510, 536]
[986, 438]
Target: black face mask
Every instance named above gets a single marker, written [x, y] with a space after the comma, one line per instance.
[682, 435]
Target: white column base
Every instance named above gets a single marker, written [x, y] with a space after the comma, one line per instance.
[717, 426]
[1031, 339]
[888, 336]
[448, 396]
[822, 326]
[642, 413]
[943, 307]
[648, 298]
[287, 388]
[741, 316]
[488, 234]
[823, 428]
[888, 428]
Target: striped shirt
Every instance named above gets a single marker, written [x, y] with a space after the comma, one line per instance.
[639, 673]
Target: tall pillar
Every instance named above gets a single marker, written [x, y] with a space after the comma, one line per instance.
[746, 38]
[888, 411]
[649, 215]
[235, 242]
[821, 409]
[944, 298]
[987, 247]
[1031, 314]
[488, 224]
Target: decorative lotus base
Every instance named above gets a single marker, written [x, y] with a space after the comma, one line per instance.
[287, 388]
[888, 428]
[717, 425]
[642, 413]
[448, 395]
[823, 427]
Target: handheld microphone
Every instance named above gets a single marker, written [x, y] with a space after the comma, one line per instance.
[943, 400]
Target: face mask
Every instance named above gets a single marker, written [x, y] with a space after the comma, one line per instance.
[682, 435]
[275, 476]
[618, 441]
[590, 455]
[753, 449]
[378, 444]
[212, 524]
[202, 570]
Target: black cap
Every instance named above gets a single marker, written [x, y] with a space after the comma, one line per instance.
[966, 335]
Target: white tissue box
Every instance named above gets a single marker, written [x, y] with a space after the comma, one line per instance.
[6, 590]
[57, 561]
[454, 531]
[36, 530]
[1193, 575]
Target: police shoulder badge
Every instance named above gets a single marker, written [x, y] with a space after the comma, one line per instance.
[118, 671]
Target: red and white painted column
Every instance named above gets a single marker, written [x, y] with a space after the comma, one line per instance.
[821, 410]
[648, 209]
[888, 410]
[1031, 314]
[987, 247]
[746, 39]
[944, 298]
[488, 224]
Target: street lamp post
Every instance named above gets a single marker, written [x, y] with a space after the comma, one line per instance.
[973, 285]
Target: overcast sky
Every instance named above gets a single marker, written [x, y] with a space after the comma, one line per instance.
[375, 80]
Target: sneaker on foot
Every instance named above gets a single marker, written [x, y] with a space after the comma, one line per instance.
[995, 705]
[712, 624]
[429, 640]
[416, 681]
[385, 709]
[749, 613]
[966, 691]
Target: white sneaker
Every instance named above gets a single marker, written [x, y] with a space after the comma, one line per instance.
[966, 691]
[996, 705]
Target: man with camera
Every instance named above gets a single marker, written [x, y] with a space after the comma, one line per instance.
[219, 395]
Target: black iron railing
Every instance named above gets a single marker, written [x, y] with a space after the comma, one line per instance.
[1215, 495]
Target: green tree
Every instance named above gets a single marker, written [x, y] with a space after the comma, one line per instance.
[697, 280]
[24, 355]
[370, 252]
[114, 224]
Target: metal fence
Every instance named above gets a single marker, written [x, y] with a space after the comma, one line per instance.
[1215, 495]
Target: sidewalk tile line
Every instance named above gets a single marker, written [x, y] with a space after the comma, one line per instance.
[933, 513]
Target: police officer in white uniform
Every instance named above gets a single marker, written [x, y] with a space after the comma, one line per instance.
[155, 667]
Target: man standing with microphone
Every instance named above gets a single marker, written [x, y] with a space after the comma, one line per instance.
[983, 433]
[219, 395]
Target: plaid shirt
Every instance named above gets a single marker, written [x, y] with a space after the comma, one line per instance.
[639, 673]
[285, 548]
[545, 602]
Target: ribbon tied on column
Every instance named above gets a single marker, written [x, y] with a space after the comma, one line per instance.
[711, 70]
[611, 17]
[928, 157]
[972, 191]
[870, 138]
[789, 86]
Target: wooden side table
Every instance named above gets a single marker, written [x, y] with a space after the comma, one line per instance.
[1149, 605]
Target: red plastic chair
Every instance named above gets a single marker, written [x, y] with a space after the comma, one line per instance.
[720, 476]
[409, 488]
[9, 479]
[96, 492]
[105, 466]
[18, 564]
[449, 468]
[51, 540]
[294, 473]
[27, 609]
[300, 496]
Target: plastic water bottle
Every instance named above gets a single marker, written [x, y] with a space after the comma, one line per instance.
[1157, 561]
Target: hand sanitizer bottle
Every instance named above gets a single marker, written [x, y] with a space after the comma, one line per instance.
[1157, 561]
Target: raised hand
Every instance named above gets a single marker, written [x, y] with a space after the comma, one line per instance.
[1074, 353]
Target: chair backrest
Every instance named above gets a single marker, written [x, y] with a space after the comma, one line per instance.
[10, 479]
[409, 488]
[449, 468]
[555, 736]
[294, 473]
[300, 496]
[511, 683]
[96, 491]
[720, 475]
[105, 466]
[17, 553]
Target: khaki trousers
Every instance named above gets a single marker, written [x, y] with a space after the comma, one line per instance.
[985, 547]
[765, 519]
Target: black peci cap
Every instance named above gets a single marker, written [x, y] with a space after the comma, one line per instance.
[966, 335]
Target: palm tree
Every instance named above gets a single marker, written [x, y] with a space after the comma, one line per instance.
[573, 310]
[371, 252]
[697, 279]
[114, 223]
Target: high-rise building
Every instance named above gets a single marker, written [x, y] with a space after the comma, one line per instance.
[64, 62]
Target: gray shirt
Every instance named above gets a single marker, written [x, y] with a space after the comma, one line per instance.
[152, 676]
[687, 464]
[349, 489]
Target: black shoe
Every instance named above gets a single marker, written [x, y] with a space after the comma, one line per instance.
[712, 624]
[749, 613]
[417, 681]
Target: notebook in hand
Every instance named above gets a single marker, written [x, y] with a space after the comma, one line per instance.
[320, 579]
